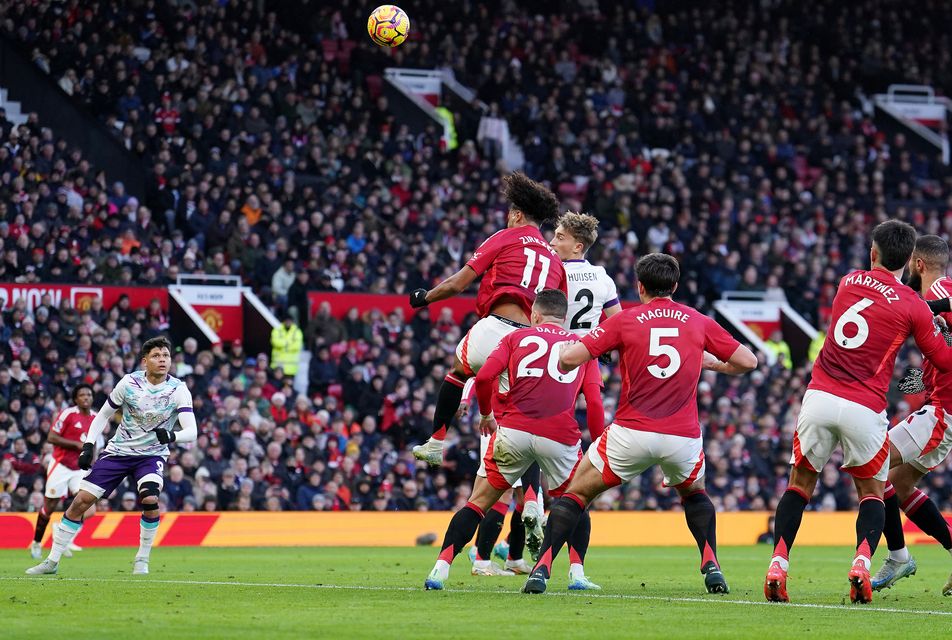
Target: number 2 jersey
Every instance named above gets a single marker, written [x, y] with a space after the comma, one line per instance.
[873, 314]
[590, 289]
[541, 398]
[145, 407]
[515, 263]
[661, 346]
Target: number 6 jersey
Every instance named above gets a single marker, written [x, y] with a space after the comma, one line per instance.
[661, 346]
[873, 314]
[590, 290]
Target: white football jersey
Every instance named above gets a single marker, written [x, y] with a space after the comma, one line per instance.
[590, 290]
[146, 407]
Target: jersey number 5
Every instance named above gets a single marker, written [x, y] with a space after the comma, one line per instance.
[530, 267]
[655, 348]
[851, 316]
[523, 370]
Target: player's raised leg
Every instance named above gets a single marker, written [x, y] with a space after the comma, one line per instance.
[447, 403]
[899, 563]
[461, 530]
[532, 511]
[585, 486]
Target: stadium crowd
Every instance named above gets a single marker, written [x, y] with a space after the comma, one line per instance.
[727, 134]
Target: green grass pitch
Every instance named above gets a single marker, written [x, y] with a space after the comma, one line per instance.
[377, 593]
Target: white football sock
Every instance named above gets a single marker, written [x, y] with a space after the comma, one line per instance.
[783, 562]
[576, 571]
[900, 555]
[63, 534]
[443, 569]
[147, 531]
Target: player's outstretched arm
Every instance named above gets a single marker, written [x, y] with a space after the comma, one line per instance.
[740, 362]
[929, 340]
[452, 286]
[573, 355]
[943, 305]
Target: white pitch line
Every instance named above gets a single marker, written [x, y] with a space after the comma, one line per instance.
[607, 596]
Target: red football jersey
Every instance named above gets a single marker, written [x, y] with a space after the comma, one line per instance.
[515, 263]
[662, 347]
[938, 385]
[72, 425]
[541, 398]
[873, 314]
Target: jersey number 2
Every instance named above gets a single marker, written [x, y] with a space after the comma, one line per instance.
[530, 267]
[589, 298]
[851, 316]
[523, 370]
[655, 348]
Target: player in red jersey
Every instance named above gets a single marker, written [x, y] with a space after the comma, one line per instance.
[63, 474]
[516, 263]
[845, 402]
[663, 346]
[534, 421]
[922, 441]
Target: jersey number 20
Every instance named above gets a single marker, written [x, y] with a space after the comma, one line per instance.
[551, 365]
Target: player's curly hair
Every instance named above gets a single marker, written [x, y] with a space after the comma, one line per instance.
[532, 198]
[581, 226]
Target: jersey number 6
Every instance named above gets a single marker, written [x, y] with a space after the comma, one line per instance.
[851, 316]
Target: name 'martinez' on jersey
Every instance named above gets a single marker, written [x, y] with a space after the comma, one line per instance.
[145, 407]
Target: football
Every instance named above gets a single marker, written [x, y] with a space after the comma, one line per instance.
[388, 25]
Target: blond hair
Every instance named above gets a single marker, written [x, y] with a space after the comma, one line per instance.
[581, 226]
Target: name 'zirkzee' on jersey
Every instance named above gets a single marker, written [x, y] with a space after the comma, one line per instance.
[145, 407]
[873, 314]
[661, 346]
[515, 263]
[590, 289]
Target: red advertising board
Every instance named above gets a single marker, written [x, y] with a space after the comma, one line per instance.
[80, 296]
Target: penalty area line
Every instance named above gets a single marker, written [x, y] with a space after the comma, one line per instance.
[718, 600]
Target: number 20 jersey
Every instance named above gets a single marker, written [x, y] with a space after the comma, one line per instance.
[873, 314]
[515, 263]
[590, 290]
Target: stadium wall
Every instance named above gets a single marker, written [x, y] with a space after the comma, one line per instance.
[401, 529]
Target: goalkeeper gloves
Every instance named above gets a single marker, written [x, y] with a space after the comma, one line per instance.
[911, 383]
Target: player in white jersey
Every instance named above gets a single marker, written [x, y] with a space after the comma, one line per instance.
[152, 402]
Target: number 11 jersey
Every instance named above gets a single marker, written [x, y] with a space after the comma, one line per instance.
[873, 314]
[516, 263]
